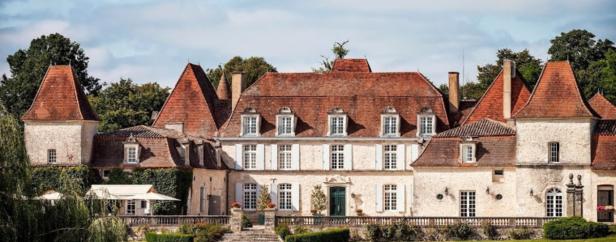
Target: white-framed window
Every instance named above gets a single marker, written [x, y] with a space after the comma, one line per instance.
[52, 156]
[390, 159]
[250, 196]
[426, 125]
[467, 152]
[391, 197]
[144, 204]
[285, 126]
[285, 199]
[249, 156]
[336, 154]
[130, 207]
[131, 155]
[337, 125]
[284, 157]
[554, 203]
[250, 125]
[553, 152]
[467, 203]
[390, 125]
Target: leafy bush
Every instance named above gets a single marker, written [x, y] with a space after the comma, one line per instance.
[373, 231]
[168, 237]
[397, 232]
[405, 232]
[574, 228]
[246, 222]
[107, 229]
[329, 235]
[489, 230]
[283, 230]
[48, 178]
[521, 233]
[301, 229]
[459, 231]
[204, 232]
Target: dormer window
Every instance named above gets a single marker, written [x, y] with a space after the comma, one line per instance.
[390, 122]
[250, 122]
[337, 122]
[427, 123]
[468, 151]
[131, 150]
[131, 157]
[285, 122]
[554, 152]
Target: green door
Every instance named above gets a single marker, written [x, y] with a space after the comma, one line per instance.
[337, 201]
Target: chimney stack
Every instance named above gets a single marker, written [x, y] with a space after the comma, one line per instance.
[454, 91]
[508, 74]
[237, 86]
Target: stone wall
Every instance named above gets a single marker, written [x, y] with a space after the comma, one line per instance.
[214, 183]
[533, 136]
[71, 139]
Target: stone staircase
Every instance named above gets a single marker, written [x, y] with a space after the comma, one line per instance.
[257, 233]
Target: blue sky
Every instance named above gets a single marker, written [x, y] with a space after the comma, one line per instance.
[153, 40]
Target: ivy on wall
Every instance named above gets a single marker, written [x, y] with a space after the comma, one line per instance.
[63, 178]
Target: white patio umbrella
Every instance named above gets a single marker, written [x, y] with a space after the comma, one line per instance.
[152, 196]
[50, 195]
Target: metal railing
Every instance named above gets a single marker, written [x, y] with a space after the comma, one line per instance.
[355, 221]
[168, 220]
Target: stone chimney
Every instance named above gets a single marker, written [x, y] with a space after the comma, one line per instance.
[508, 74]
[454, 91]
[237, 87]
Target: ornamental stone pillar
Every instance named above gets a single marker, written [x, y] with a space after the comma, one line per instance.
[270, 218]
[235, 222]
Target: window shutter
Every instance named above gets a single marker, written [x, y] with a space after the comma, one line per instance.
[274, 148]
[378, 159]
[401, 157]
[325, 157]
[295, 157]
[260, 157]
[401, 198]
[379, 197]
[239, 194]
[348, 157]
[295, 196]
[238, 157]
[274, 193]
[414, 152]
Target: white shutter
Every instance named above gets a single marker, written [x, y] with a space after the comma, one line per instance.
[378, 158]
[274, 193]
[379, 197]
[238, 157]
[295, 157]
[295, 196]
[401, 198]
[274, 164]
[260, 157]
[239, 194]
[414, 152]
[401, 157]
[325, 157]
[348, 157]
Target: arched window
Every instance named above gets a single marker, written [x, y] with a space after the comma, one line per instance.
[554, 203]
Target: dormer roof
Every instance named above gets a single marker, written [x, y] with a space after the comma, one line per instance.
[602, 107]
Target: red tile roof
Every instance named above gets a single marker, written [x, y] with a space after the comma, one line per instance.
[362, 95]
[351, 65]
[484, 127]
[491, 103]
[192, 102]
[60, 97]
[556, 95]
[603, 107]
[604, 152]
[491, 151]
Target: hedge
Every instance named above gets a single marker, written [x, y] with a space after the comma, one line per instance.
[574, 228]
[50, 178]
[168, 181]
[330, 235]
[168, 237]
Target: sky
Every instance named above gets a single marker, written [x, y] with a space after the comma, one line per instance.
[151, 41]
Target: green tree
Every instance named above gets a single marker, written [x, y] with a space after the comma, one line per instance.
[528, 65]
[470, 90]
[125, 104]
[339, 52]
[318, 200]
[252, 68]
[28, 66]
[602, 77]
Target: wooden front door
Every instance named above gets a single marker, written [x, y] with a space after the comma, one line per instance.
[337, 201]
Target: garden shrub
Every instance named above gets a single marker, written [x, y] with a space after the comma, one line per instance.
[396, 232]
[459, 231]
[282, 230]
[373, 231]
[521, 233]
[301, 229]
[246, 222]
[168, 237]
[204, 232]
[574, 228]
[329, 235]
[489, 230]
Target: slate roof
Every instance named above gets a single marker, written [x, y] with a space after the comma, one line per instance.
[60, 97]
[351, 65]
[604, 152]
[491, 151]
[602, 107]
[361, 95]
[490, 105]
[484, 127]
[556, 95]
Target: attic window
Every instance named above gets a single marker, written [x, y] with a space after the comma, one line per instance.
[427, 123]
[337, 120]
[250, 122]
[131, 150]
[285, 122]
[468, 151]
[390, 122]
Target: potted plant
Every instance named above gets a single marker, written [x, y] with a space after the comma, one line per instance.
[235, 204]
[271, 205]
[263, 202]
[318, 202]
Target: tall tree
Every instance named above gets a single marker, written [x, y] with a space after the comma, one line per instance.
[339, 52]
[252, 68]
[601, 76]
[124, 104]
[470, 90]
[28, 66]
[528, 65]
